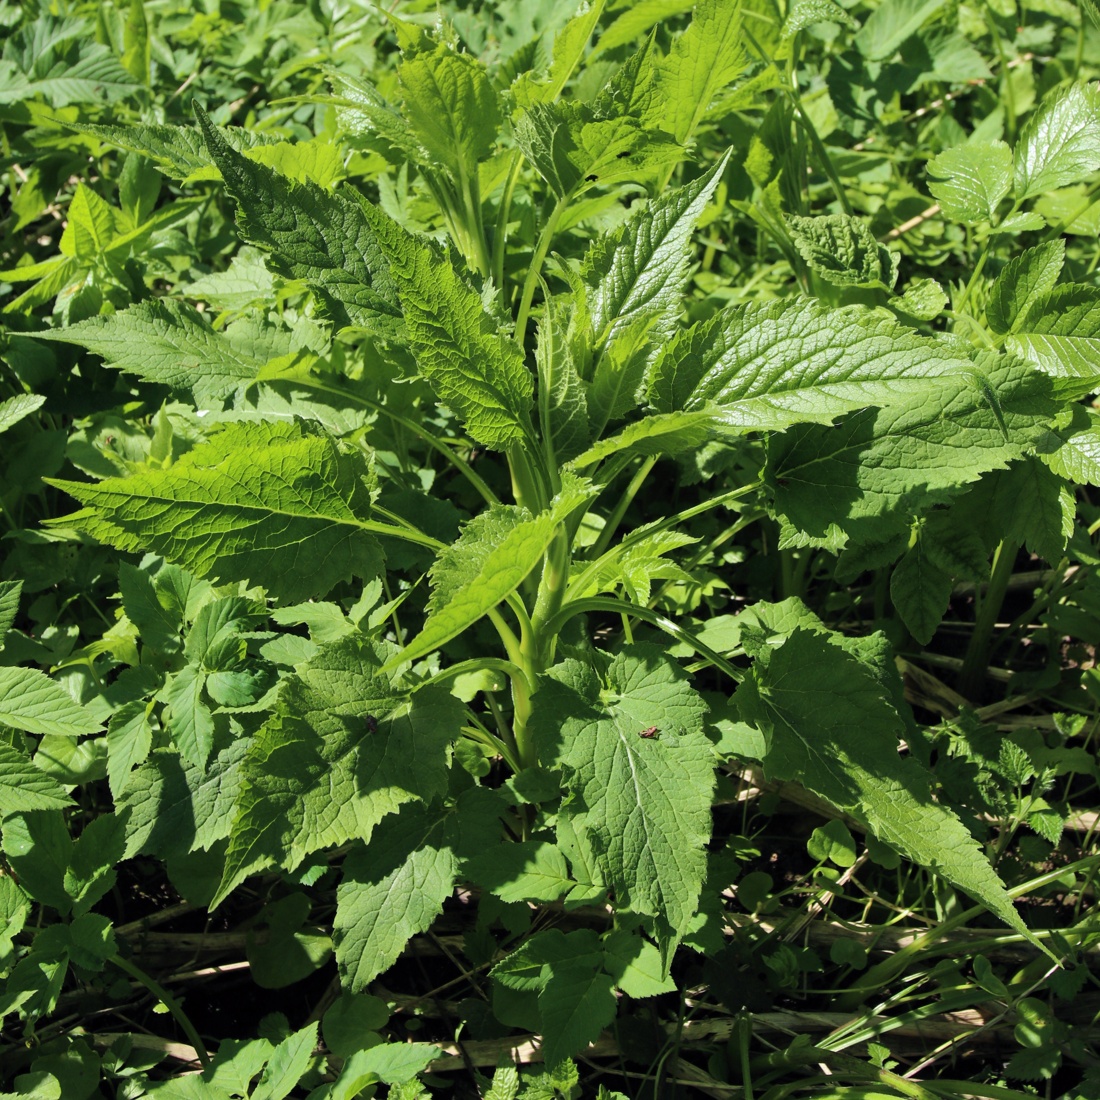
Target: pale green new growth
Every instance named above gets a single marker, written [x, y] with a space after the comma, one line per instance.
[1060, 143]
[969, 181]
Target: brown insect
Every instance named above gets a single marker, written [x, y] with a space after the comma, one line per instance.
[648, 732]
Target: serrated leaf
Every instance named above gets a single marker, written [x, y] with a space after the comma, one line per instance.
[533, 870]
[282, 504]
[1078, 457]
[129, 739]
[659, 434]
[702, 61]
[1060, 143]
[23, 787]
[920, 591]
[453, 107]
[805, 13]
[392, 889]
[1034, 506]
[843, 251]
[890, 24]
[287, 1065]
[317, 775]
[635, 964]
[17, 408]
[924, 299]
[1061, 331]
[10, 591]
[769, 365]
[189, 719]
[575, 1005]
[311, 234]
[830, 728]
[476, 370]
[861, 476]
[31, 701]
[563, 411]
[165, 341]
[644, 802]
[969, 181]
[1022, 282]
[568, 49]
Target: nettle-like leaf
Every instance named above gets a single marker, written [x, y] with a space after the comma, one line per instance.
[283, 504]
[561, 354]
[829, 726]
[969, 181]
[395, 886]
[24, 787]
[806, 13]
[490, 559]
[165, 341]
[641, 799]
[31, 701]
[311, 234]
[476, 370]
[1022, 282]
[334, 760]
[1060, 143]
[843, 251]
[1061, 331]
[769, 365]
[866, 475]
[1077, 457]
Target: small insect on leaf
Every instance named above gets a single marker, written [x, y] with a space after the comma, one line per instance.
[592, 178]
[648, 732]
[623, 155]
[372, 724]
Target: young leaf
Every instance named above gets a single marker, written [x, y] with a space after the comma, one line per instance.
[920, 591]
[644, 802]
[1077, 459]
[575, 1005]
[1061, 331]
[843, 251]
[661, 434]
[769, 365]
[890, 24]
[311, 234]
[560, 354]
[806, 13]
[534, 870]
[969, 181]
[31, 701]
[703, 60]
[279, 503]
[189, 719]
[288, 1064]
[453, 107]
[129, 739]
[830, 728]
[17, 408]
[1060, 143]
[474, 369]
[165, 341]
[1022, 281]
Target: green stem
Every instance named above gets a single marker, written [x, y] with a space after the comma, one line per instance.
[977, 652]
[613, 521]
[500, 232]
[168, 1001]
[541, 249]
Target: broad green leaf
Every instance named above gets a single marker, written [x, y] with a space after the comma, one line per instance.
[490, 559]
[31, 701]
[843, 251]
[92, 227]
[247, 280]
[702, 61]
[473, 368]
[176, 807]
[575, 1005]
[1029, 504]
[129, 739]
[310, 234]
[1061, 331]
[769, 365]
[10, 591]
[317, 775]
[923, 299]
[1060, 143]
[969, 181]
[572, 146]
[165, 341]
[890, 24]
[94, 76]
[452, 105]
[865, 475]
[530, 965]
[189, 719]
[392, 889]
[534, 870]
[636, 19]
[560, 354]
[17, 408]
[568, 49]
[158, 622]
[635, 964]
[393, 1063]
[38, 847]
[638, 271]
[1078, 457]
[1022, 282]
[661, 434]
[920, 591]
[178, 150]
[91, 870]
[23, 787]
[805, 13]
[830, 728]
[289, 1062]
[281, 504]
[643, 801]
